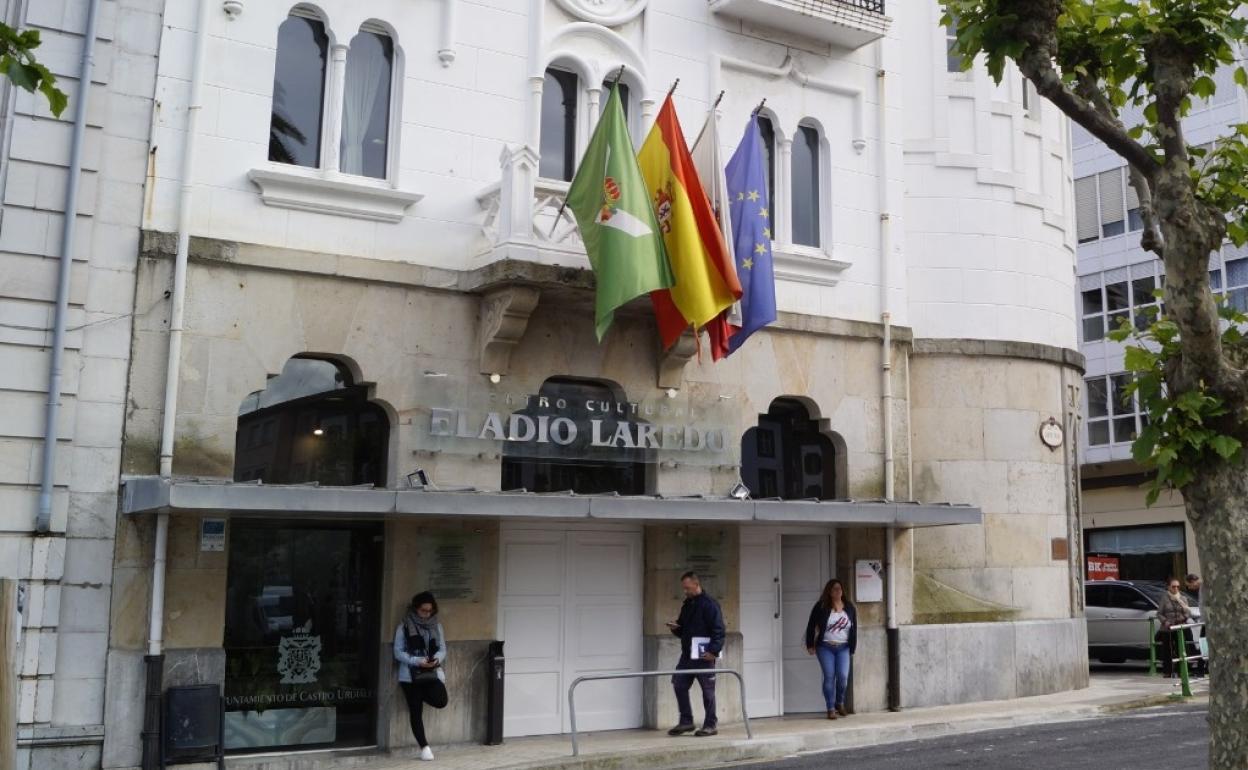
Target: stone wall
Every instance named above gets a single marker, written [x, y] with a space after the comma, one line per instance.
[388, 323]
[975, 422]
[967, 662]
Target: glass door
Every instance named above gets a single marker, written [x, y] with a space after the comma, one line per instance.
[301, 635]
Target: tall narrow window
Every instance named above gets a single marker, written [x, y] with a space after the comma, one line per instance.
[953, 59]
[1086, 213]
[768, 133]
[366, 105]
[558, 125]
[806, 187]
[298, 92]
[1113, 212]
[606, 94]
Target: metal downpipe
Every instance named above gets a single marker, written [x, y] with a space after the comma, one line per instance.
[47, 481]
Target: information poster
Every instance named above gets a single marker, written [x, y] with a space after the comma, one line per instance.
[868, 581]
[452, 566]
[704, 554]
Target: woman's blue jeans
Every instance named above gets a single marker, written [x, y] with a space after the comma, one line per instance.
[835, 664]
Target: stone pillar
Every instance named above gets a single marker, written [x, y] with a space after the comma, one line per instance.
[515, 195]
[781, 205]
[331, 151]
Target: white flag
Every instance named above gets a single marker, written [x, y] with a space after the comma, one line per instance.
[709, 163]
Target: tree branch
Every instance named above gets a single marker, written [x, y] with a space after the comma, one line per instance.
[1037, 65]
[1034, 24]
[1087, 87]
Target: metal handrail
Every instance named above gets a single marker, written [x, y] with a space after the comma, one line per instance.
[749, 733]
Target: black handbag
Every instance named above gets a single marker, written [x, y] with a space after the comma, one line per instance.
[416, 647]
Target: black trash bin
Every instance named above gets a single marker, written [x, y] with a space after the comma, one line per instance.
[193, 725]
[494, 695]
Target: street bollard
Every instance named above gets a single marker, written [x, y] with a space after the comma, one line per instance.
[1180, 641]
[1152, 647]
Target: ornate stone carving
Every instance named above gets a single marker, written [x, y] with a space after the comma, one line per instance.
[672, 361]
[504, 316]
[609, 13]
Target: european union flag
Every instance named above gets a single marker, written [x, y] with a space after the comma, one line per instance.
[751, 233]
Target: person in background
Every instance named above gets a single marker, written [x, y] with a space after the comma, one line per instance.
[1172, 610]
[420, 649]
[700, 617]
[1193, 587]
[832, 635]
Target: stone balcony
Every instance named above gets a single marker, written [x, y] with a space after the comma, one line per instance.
[523, 219]
[843, 23]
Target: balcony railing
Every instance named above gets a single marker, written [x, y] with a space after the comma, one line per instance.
[525, 217]
[843, 23]
[874, 6]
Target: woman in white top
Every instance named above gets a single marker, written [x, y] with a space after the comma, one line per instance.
[832, 634]
[420, 649]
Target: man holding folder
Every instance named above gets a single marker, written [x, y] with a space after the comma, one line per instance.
[701, 631]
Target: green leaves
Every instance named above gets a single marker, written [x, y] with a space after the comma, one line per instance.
[1184, 432]
[17, 62]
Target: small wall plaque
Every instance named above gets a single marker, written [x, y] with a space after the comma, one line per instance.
[1051, 433]
[212, 534]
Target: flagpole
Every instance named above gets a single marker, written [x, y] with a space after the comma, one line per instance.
[759, 107]
[619, 74]
[710, 115]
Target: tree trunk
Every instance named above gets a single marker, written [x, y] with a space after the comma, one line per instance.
[1217, 505]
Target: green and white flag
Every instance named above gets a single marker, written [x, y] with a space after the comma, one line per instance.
[616, 219]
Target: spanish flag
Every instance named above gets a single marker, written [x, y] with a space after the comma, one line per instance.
[706, 279]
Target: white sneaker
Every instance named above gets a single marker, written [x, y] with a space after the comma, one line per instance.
[426, 754]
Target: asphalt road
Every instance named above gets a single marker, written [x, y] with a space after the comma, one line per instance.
[1168, 737]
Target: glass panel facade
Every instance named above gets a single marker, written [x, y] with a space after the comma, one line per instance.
[301, 635]
[298, 92]
[806, 187]
[366, 105]
[558, 125]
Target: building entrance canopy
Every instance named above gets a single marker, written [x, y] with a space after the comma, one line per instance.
[152, 494]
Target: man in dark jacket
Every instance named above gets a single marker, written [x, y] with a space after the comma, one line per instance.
[700, 616]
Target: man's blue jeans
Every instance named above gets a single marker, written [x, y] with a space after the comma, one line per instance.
[835, 664]
[682, 682]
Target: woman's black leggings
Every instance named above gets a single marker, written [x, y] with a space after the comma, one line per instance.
[418, 694]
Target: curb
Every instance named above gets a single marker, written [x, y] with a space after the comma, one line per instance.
[739, 750]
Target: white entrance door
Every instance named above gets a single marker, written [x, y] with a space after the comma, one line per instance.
[805, 568]
[569, 605]
[760, 621]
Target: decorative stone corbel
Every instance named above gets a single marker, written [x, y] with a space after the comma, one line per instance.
[672, 361]
[505, 315]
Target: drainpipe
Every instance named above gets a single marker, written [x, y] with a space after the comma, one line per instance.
[886, 380]
[43, 517]
[155, 636]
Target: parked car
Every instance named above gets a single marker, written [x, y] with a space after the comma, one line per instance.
[1117, 613]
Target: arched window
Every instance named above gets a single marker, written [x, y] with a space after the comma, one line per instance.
[298, 92]
[768, 132]
[574, 411]
[311, 423]
[559, 95]
[787, 456]
[366, 104]
[606, 95]
[805, 187]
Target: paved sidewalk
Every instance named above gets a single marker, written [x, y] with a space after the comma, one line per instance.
[780, 737]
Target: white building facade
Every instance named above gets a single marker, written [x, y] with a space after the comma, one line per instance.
[360, 362]
[1117, 278]
[57, 525]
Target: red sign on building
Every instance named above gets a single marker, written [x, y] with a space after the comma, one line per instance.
[1102, 567]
